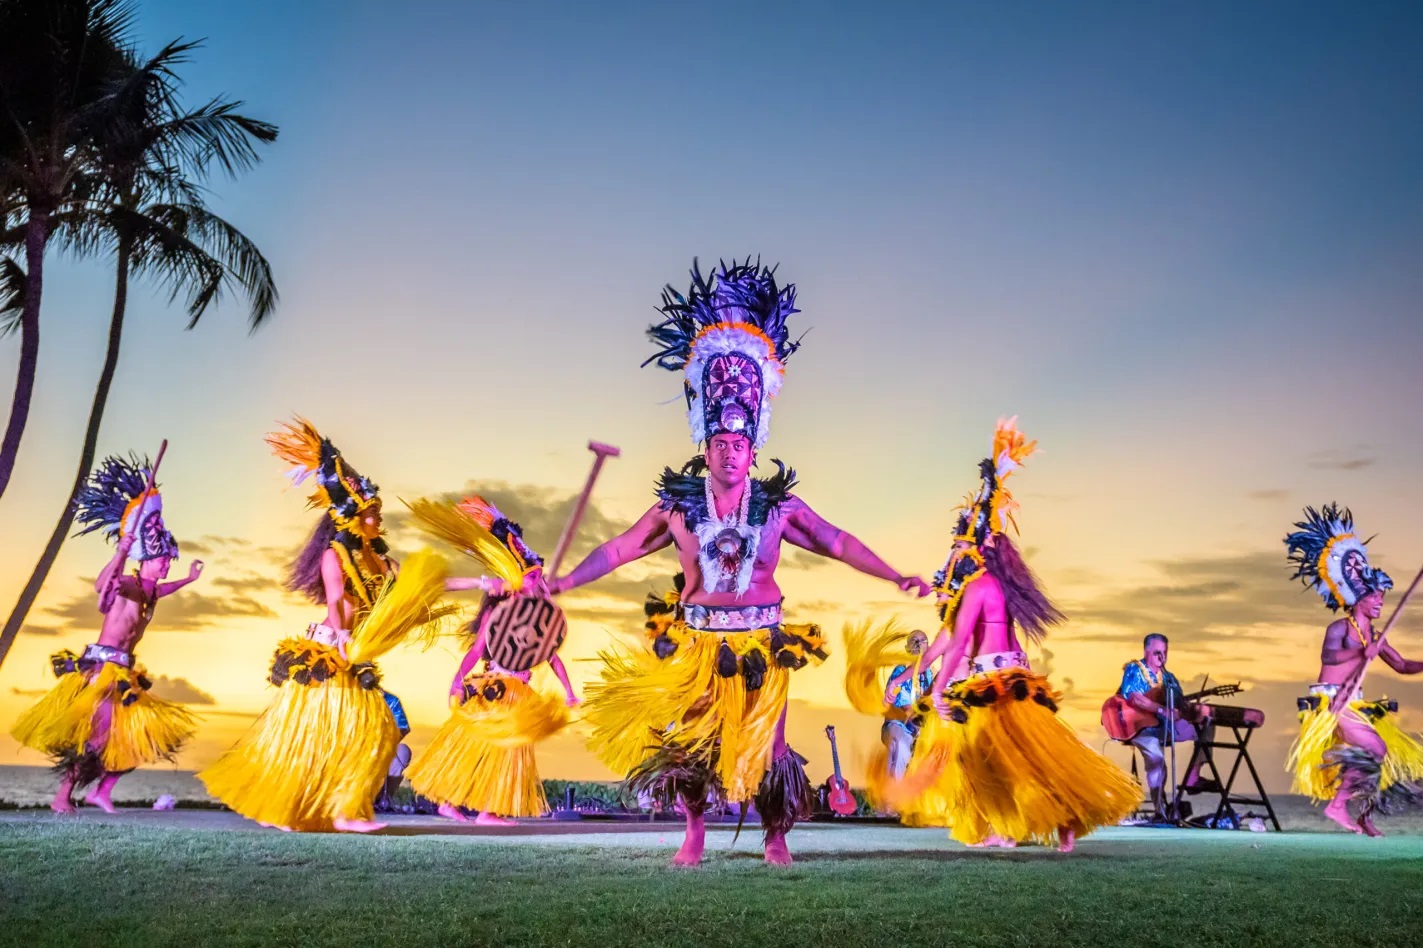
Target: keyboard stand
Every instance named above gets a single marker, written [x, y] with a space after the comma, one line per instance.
[1240, 747]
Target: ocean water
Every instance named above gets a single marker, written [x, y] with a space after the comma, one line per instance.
[29, 786]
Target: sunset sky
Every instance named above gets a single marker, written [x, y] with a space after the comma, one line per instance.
[1183, 244]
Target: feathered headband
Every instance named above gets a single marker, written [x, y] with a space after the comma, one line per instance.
[113, 499]
[343, 491]
[477, 528]
[1331, 560]
[728, 337]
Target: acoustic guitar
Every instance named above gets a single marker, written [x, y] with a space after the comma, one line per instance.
[842, 801]
[1123, 722]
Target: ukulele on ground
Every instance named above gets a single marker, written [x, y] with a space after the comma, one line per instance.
[842, 801]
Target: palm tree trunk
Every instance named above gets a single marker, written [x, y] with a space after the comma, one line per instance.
[86, 458]
[36, 237]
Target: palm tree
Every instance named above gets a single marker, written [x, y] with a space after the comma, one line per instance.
[145, 207]
[57, 59]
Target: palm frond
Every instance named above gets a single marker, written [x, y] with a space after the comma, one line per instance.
[197, 254]
[216, 132]
[12, 295]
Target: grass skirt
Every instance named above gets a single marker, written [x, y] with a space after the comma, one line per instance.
[1319, 777]
[1004, 763]
[483, 757]
[717, 696]
[143, 728]
[320, 752]
[322, 749]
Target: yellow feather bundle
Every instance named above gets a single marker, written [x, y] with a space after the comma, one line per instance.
[867, 651]
[405, 604]
[452, 524]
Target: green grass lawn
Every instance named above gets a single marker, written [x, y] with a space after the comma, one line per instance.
[141, 881]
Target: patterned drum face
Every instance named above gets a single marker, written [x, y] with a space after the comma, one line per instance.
[525, 631]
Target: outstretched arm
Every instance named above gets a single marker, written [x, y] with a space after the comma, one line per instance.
[809, 531]
[168, 589]
[489, 584]
[1397, 662]
[651, 533]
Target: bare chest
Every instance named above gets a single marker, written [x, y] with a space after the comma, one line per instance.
[125, 623]
[727, 564]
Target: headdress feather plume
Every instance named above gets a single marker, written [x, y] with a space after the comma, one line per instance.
[728, 336]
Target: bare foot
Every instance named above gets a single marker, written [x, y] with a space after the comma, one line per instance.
[1367, 825]
[994, 841]
[695, 842]
[1066, 840]
[494, 819]
[274, 826]
[451, 812]
[1338, 811]
[100, 799]
[777, 853]
[357, 826]
[62, 805]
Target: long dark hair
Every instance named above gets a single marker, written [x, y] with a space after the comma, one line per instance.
[304, 574]
[1028, 605]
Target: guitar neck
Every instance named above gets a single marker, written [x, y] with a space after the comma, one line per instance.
[1208, 693]
[834, 755]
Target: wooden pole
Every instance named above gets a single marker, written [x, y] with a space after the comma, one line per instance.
[601, 453]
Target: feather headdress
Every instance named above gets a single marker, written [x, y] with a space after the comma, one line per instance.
[113, 500]
[476, 528]
[1331, 560]
[990, 509]
[339, 487]
[728, 337]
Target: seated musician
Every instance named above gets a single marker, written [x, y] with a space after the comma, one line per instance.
[1144, 687]
[899, 730]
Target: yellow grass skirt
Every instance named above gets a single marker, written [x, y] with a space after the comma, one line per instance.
[322, 749]
[141, 731]
[1319, 780]
[1005, 764]
[642, 702]
[483, 757]
[320, 752]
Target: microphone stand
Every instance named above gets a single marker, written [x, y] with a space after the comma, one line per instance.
[1175, 812]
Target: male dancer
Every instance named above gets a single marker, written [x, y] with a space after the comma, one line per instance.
[705, 708]
[1349, 749]
[100, 720]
